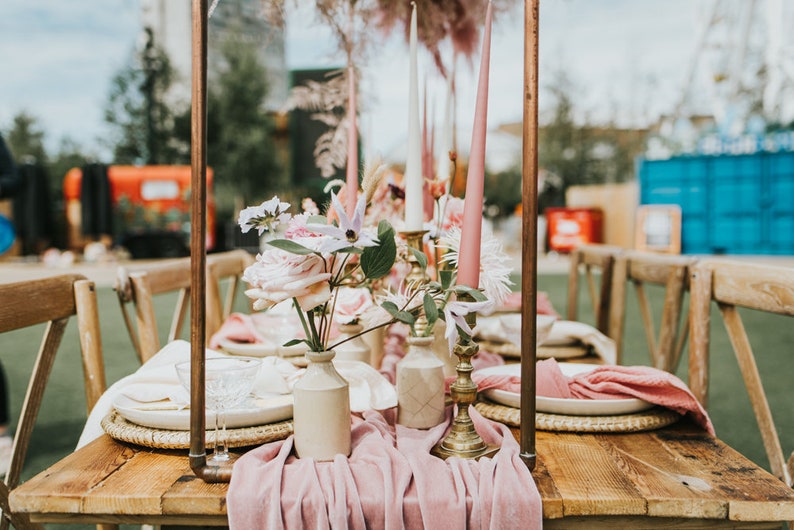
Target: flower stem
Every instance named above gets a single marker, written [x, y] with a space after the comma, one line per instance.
[309, 336]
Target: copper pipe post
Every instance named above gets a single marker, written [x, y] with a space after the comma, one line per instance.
[529, 222]
[198, 250]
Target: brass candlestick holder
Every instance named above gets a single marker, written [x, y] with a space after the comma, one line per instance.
[463, 440]
[418, 274]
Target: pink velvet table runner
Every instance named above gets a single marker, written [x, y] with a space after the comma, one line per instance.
[389, 481]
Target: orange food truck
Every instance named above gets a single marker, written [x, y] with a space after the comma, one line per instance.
[144, 208]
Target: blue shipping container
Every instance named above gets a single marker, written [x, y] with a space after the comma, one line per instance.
[730, 204]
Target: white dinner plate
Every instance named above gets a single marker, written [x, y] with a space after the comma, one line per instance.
[253, 411]
[260, 349]
[575, 407]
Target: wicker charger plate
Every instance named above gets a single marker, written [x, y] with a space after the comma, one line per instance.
[648, 420]
[121, 429]
[510, 350]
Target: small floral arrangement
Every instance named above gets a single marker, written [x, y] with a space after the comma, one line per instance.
[441, 299]
[315, 263]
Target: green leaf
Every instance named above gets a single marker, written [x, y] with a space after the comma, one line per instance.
[376, 262]
[317, 220]
[291, 246]
[405, 317]
[476, 294]
[294, 342]
[401, 316]
[431, 311]
[446, 279]
[420, 256]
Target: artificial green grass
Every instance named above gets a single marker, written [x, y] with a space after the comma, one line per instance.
[63, 410]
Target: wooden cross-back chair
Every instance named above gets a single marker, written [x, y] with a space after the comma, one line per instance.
[736, 285]
[595, 264]
[51, 301]
[668, 271]
[140, 285]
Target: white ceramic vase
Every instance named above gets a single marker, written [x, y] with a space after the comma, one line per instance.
[321, 413]
[420, 386]
[375, 339]
[354, 349]
[441, 349]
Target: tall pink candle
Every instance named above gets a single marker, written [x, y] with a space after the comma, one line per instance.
[469, 256]
[414, 209]
[352, 143]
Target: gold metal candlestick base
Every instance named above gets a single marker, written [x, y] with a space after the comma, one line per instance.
[418, 274]
[463, 440]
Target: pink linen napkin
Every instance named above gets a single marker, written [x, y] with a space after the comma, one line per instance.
[389, 481]
[238, 327]
[512, 302]
[608, 382]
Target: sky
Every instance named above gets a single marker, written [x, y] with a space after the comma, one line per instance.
[626, 59]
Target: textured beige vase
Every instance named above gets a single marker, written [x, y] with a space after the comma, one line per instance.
[354, 349]
[321, 413]
[420, 386]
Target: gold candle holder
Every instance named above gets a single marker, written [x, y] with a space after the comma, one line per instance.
[418, 274]
[463, 440]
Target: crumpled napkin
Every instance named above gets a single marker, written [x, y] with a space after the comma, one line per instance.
[607, 382]
[507, 327]
[569, 330]
[157, 380]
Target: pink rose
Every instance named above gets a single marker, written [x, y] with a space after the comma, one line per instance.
[453, 213]
[351, 303]
[296, 228]
[278, 275]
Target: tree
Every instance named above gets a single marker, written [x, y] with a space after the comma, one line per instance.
[139, 112]
[583, 153]
[26, 140]
[240, 137]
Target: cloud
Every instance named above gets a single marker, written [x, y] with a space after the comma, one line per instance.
[59, 58]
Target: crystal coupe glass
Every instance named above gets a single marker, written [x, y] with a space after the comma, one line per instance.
[228, 381]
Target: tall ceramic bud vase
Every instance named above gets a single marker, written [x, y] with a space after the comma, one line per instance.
[442, 351]
[354, 349]
[321, 414]
[375, 339]
[420, 386]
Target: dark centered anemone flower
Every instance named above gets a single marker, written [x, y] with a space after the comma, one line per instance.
[348, 233]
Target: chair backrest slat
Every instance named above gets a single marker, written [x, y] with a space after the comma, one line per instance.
[140, 285]
[50, 301]
[736, 285]
[591, 262]
[41, 301]
[666, 333]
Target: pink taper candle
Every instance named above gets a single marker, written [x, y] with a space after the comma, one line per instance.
[469, 256]
[352, 143]
[414, 209]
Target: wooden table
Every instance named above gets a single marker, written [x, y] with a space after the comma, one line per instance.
[677, 476]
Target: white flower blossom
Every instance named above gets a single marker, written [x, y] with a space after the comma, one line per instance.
[494, 272]
[266, 216]
[455, 312]
[348, 233]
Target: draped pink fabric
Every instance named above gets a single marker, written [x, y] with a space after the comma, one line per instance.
[389, 481]
[608, 382]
